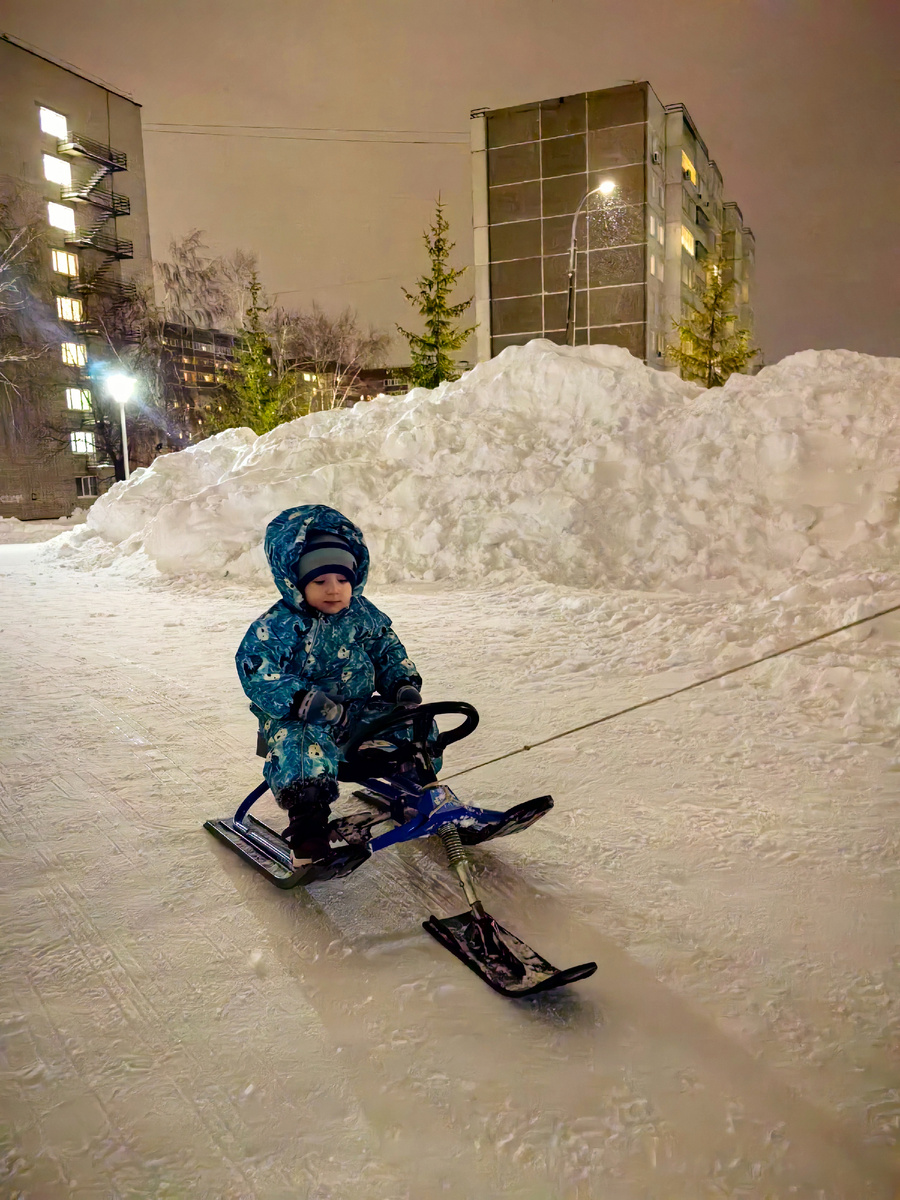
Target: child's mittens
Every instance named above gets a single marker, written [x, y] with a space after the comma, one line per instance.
[317, 708]
[408, 696]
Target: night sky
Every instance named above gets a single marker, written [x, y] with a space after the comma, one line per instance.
[797, 100]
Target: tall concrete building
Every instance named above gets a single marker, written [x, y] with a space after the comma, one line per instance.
[76, 145]
[641, 240]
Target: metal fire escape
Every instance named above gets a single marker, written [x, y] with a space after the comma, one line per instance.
[106, 247]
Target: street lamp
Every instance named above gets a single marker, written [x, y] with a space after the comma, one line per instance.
[120, 387]
[605, 188]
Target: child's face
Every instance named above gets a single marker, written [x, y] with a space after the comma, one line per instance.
[328, 593]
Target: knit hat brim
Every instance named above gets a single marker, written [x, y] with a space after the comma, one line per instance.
[326, 554]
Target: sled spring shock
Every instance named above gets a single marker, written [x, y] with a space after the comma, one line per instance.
[456, 856]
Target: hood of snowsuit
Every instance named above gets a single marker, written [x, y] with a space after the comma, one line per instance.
[286, 538]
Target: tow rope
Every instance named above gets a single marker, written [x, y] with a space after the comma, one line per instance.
[678, 691]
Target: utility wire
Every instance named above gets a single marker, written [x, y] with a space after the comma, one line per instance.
[297, 128]
[290, 137]
[678, 691]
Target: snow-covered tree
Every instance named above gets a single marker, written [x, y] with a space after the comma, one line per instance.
[430, 351]
[711, 347]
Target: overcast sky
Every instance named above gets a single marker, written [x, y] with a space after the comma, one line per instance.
[797, 100]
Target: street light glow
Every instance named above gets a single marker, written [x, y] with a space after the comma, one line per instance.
[607, 187]
[120, 387]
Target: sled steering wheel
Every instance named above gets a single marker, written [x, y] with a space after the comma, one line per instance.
[420, 719]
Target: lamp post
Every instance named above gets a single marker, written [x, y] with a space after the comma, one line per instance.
[120, 387]
[605, 188]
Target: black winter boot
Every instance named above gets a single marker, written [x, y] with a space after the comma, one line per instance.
[308, 806]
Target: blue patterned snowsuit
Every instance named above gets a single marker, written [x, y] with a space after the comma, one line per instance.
[292, 648]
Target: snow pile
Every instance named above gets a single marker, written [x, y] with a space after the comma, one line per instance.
[12, 530]
[577, 466]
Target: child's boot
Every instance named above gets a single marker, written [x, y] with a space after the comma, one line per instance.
[308, 805]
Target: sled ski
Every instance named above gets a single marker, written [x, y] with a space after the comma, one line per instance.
[264, 849]
[501, 959]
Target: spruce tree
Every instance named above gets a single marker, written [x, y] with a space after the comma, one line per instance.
[711, 347]
[256, 396]
[430, 352]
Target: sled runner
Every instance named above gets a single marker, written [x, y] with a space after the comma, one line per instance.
[400, 785]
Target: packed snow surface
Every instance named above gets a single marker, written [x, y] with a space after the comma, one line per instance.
[575, 466]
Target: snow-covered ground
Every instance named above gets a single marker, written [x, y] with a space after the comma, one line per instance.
[174, 1026]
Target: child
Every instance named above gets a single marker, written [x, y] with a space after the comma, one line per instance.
[311, 663]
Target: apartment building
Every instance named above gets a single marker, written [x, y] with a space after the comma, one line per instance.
[76, 144]
[634, 181]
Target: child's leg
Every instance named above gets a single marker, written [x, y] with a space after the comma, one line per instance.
[301, 770]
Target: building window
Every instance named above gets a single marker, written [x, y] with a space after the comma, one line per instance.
[64, 263]
[82, 442]
[86, 485]
[660, 345]
[68, 309]
[688, 169]
[74, 354]
[652, 225]
[57, 171]
[661, 232]
[54, 123]
[687, 240]
[61, 217]
[652, 264]
[78, 399]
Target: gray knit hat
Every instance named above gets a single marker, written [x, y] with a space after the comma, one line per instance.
[325, 554]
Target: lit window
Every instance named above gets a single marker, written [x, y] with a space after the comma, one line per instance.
[652, 225]
[64, 263]
[652, 264]
[687, 240]
[79, 399]
[61, 217]
[82, 442]
[86, 485]
[661, 233]
[688, 169]
[54, 122]
[74, 354]
[660, 270]
[57, 171]
[68, 309]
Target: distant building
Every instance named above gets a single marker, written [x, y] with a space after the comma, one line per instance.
[198, 363]
[640, 248]
[77, 143]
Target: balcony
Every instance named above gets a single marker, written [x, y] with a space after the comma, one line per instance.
[111, 202]
[77, 145]
[117, 247]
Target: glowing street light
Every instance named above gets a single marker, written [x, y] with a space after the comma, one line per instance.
[121, 387]
[605, 188]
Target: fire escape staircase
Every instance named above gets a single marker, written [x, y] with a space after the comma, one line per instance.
[109, 205]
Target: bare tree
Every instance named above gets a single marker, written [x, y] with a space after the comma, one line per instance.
[332, 349]
[28, 331]
[207, 292]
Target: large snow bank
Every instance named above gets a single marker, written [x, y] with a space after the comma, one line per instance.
[573, 466]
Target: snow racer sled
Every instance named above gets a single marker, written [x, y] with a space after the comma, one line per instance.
[400, 785]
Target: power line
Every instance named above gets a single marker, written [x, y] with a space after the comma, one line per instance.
[296, 128]
[678, 691]
[284, 137]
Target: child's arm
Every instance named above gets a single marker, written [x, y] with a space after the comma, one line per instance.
[263, 661]
[393, 666]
